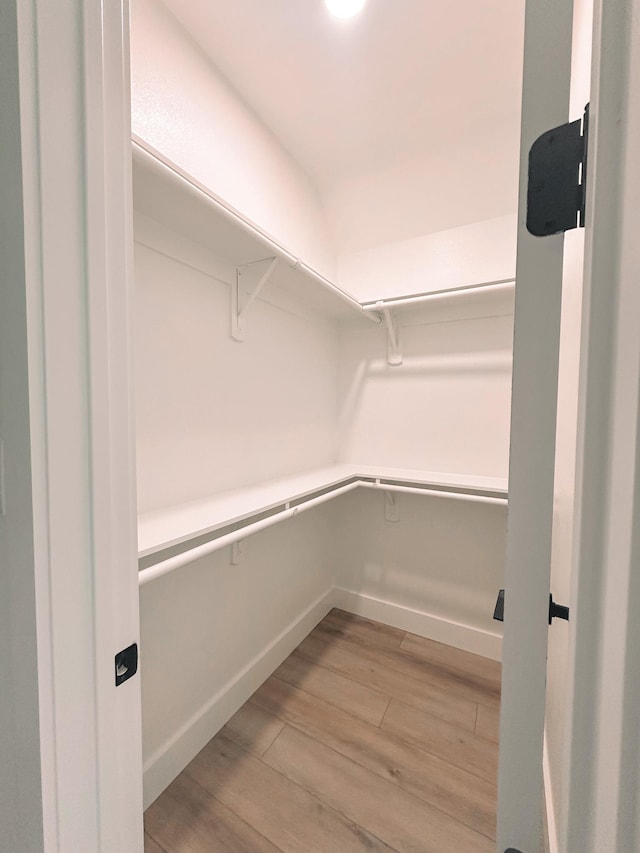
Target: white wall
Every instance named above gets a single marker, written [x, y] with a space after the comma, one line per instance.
[468, 254]
[446, 408]
[471, 181]
[184, 107]
[212, 413]
[436, 572]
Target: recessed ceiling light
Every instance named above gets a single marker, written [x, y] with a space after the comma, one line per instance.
[345, 8]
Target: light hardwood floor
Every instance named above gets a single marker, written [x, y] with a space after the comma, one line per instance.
[365, 739]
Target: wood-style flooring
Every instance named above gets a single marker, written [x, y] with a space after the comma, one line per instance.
[365, 739]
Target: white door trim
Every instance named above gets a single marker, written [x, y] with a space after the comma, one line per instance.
[74, 99]
[604, 747]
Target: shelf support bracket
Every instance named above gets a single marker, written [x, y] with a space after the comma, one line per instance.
[391, 506]
[238, 309]
[394, 335]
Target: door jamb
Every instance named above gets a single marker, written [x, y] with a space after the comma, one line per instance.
[75, 165]
[604, 755]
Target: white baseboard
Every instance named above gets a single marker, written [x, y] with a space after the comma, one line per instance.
[166, 763]
[466, 637]
[552, 826]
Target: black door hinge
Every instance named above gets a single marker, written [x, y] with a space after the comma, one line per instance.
[126, 664]
[556, 611]
[556, 192]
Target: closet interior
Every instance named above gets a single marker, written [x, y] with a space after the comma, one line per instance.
[323, 336]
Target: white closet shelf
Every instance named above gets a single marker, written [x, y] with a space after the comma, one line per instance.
[166, 193]
[462, 483]
[166, 528]
[240, 513]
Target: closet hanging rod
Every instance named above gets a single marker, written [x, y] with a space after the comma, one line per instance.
[238, 220]
[173, 563]
[393, 302]
[437, 493]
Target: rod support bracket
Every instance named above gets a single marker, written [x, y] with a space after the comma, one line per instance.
[237, 550]
[239, 306]
[391, 506]
[394, 335]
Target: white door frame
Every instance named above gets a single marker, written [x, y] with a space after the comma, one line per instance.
[603, 750]
[604, 729]
[74, 274]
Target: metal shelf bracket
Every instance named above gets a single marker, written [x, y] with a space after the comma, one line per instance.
[394, 335]
[239, 307]
[391, 506]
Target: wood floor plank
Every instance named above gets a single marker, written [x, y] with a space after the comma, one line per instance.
[349, 661]
[488, 723]
[484, 671]
[404, 822]
[253, 729]
[374, 632]
[406, 662]
[351, 696]
[150, 845]
[465, 797]
[288, 815]
[187, 819]
[458, 746]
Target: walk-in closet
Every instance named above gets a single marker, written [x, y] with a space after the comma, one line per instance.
[325, 259]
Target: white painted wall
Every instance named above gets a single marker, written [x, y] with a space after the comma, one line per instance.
[471, 180]
[212, 413]
[446, 408]
[184, 107]
[436, 572]
[468, 254]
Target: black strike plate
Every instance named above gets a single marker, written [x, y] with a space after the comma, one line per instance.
[556, 192]
[557, 611]
[498, 613]
[511, 850]
[126, 663]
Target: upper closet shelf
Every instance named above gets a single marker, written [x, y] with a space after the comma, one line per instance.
[164, 192]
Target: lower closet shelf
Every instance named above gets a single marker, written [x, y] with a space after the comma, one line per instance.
[169, 539]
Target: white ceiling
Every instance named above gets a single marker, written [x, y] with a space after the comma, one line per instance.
[347, 99]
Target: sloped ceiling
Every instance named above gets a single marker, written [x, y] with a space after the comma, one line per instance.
[353, 98]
